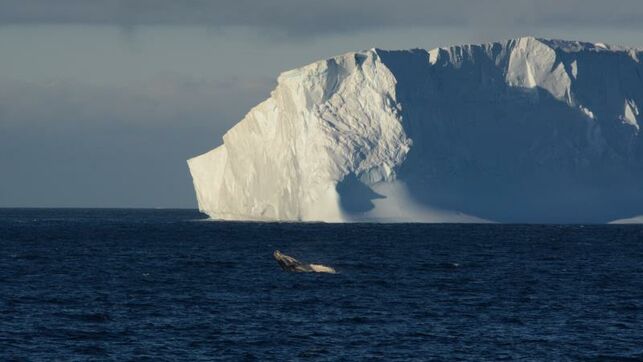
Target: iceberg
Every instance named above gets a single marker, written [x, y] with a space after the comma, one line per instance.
[525, 130]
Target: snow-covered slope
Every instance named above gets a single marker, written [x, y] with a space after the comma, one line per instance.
[527, 130]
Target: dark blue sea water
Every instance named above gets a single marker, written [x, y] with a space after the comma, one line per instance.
[166, 285]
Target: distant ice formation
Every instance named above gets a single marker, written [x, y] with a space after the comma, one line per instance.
[526, 130]
[632, 220]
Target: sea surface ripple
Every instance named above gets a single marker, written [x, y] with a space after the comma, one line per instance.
[165, 285]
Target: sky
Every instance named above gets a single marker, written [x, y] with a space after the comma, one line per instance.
[102, 101]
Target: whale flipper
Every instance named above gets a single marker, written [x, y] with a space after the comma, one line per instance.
[290, 264]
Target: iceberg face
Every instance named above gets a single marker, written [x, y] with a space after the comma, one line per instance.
[527, 130]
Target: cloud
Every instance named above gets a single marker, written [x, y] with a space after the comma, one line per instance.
[304, 18]
[168, 99]
[73, 144]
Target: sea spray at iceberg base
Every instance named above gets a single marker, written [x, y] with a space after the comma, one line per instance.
[526, 130]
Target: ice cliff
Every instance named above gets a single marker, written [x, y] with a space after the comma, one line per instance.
[526, 130]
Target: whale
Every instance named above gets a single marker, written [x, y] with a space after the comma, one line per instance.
[290, 264]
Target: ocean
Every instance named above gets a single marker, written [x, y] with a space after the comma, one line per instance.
[168, 285]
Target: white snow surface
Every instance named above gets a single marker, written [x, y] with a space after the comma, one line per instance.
[525, 130]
